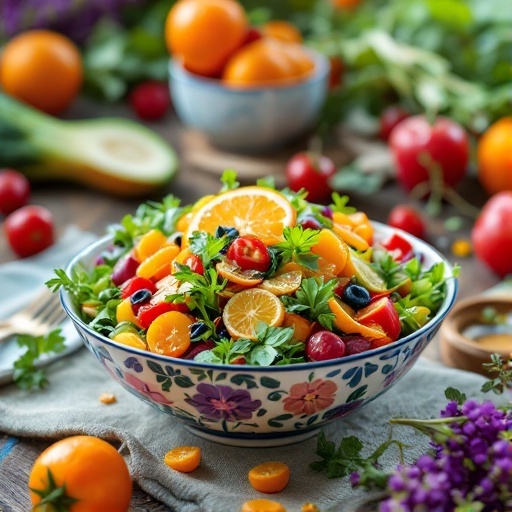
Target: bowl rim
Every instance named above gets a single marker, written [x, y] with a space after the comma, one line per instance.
[179, 73]
[451, 295]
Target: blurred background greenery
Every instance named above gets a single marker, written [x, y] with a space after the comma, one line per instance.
[436, 56]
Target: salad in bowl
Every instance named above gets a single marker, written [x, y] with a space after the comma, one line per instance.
[254, 315]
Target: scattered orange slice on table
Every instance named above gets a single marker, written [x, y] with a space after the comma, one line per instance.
[262, 505]
[254, 210]
[283, 284]
[183, 458]
[246, 309]
[270, 477]
[345, 322]
[169, 334]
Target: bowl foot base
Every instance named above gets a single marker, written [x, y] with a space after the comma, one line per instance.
[253, 441]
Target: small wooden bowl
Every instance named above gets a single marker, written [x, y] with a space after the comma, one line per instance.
[459, 351]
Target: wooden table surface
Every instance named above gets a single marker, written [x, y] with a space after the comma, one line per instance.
[93, 211]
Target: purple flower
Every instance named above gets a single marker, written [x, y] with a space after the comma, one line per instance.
[223, 402]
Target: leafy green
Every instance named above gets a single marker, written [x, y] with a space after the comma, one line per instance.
[26, 374]
[228, 180]
[340, 204]
[501, 372]
[297, 246]
[274, 346]
[455, 395]
[207, 246]
[311, 300]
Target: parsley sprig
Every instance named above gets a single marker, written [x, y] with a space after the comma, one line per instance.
[26, 374]
[207, 246]
[311, 299]
[297, 246]
[274, 346]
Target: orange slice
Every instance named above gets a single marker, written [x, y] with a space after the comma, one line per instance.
[246, 309]
[236, 275]
[270, 477]
[353, 239]
[183, 458]
[169, 334]
[332, 249]
[345, 322]
[257, 211]
[283, 284]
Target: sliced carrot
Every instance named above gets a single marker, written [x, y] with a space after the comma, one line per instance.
[169, 334]
[149, 243]
[183, 458]
[270, 477]
[262, 505]
[158, 265]
[300, 325]
[130, 339]
[344, 321]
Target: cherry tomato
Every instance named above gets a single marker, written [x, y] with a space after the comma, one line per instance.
[14, 190]
[195, 264]
[29, 230]
[85, 468]
[148, 312]
[150, 100]
[135, 284]
[311, 172]
[399, 247]
[381, 312]
[252, 34]
[407, 218]
[389, 118]
[492, 233]
[249, 253]
[324, 345]
[420, 147]
[335, 72]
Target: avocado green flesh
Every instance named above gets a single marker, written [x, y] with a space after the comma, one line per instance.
[107, 153]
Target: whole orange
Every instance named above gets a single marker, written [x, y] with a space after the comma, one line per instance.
[282, 30]
[42, 68]
[298, 54]
[263, 62]
[495, 157]
[90, 470]
[204, 33]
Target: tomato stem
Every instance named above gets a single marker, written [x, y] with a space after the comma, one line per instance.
[54, 497]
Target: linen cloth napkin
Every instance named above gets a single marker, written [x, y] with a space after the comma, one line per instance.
[70, 405]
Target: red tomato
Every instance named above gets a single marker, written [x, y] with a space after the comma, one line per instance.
[249, 253]
[135, 284]
[195, 264]
[150, 100]
[383, 313]
[311, 172]
[407, 218]
[399, 247]
[14, 191]
[389, 118]
[324, 345]
[148, 312]
[444, 143]
[492, 233]
[29, 230]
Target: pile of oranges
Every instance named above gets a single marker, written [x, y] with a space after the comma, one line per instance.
[213, 38]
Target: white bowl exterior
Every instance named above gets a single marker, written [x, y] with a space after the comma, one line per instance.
[237, 404]
[248, 119]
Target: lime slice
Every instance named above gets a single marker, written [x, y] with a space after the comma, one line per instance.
[366, 275]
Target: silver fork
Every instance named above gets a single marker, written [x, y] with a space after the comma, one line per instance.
[39, 317]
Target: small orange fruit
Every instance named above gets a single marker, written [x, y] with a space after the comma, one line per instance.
[42, 68]
[270, 477]
[262, 505]
[282, 30]
[169, 334]
[252, 210]
[246, 309]
[204, 33]
[183, 458]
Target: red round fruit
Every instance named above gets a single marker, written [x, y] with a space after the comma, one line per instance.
[324, 345]
[14, 191]
[311, 172]
[150, 100]
[420, 148]
[29, 230]
[252, 34]
[356, 344]
[381, 312]
[492, 233]
[407, 218]
[249, 253]
[389, 118]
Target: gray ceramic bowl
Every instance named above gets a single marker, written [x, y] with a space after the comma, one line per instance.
[259, 406]
[249, 120]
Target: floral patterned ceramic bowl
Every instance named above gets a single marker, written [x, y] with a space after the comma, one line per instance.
[260, 406]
